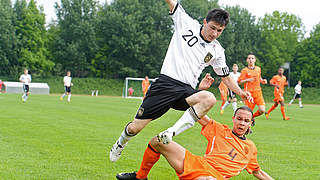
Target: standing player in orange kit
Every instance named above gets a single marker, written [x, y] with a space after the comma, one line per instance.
[228, 152]
[224, 95]
[145, 86]
[278, 81]
[251, 78]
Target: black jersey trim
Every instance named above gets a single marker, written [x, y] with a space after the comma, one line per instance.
[174, 10]
[202, 36]
[149, 146]
[242, 138]
[224, 75]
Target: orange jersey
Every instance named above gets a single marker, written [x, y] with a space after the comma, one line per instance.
[281, 81]
[247, 73]
[145, 85]
[223, 91]
[228, 153]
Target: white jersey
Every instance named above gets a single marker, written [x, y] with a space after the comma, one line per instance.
[67, 81]
[188, 53]
[297, 89]
[25, 78]
[235, 76]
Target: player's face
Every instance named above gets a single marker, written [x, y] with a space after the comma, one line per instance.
[68, 74]
[241, 122]
[235, 68]
[211, 30]
[251, 59]
[25, 71]
[280, 71]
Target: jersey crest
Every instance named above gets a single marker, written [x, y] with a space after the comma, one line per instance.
[208, 57]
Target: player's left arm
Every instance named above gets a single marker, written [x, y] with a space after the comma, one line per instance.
[260, 174]
[231, 84]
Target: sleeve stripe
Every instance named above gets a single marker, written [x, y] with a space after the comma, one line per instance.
[175, 9]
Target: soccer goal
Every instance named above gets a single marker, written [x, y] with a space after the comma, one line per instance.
[133, 87]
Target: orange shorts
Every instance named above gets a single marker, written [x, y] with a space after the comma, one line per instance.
[278, 97]
[257, 99]
[224, 95]
[196, 166]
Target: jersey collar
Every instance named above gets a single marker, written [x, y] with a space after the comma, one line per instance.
[242, 138]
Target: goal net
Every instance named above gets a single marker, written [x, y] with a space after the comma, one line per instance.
[133, 87]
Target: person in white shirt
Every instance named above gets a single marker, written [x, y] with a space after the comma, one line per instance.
[232, 96]
[25, 78]
[192, 48]
[297, 94]
[67, 86]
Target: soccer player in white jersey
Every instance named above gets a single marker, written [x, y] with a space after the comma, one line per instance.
[232, 96]
[297, 94]
[193, 47]
[25, 78]
[67, 86]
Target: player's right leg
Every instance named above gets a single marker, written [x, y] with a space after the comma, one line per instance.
[173, 152]
[267, 114]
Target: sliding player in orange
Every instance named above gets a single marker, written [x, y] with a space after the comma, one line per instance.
[145, 86]
[251, 78]
[228, 153]
[278, 81]
[224, 95]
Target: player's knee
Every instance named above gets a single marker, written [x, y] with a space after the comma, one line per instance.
[133, 128]
[208, 99]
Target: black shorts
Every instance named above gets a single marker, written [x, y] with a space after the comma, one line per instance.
[296, 95]
[67, 89]
[163, 94]
[231, 94]
[26, 88]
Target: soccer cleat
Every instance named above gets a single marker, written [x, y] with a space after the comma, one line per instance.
[267, 115]
[115, 152]
[128, 176]
[286, 118]
[301, 106]
[221, 111]
[165, 137]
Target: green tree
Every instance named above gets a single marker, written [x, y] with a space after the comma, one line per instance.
[8, 46]
[306, 65]
[240, 37]
[280, 35]
[30, 29]
[74, 43]
[133, 37]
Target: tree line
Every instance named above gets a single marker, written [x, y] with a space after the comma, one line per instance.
[130, 38]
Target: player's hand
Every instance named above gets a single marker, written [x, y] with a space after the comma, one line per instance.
[206, 82]
[264, 81]
[71, 84]
[247, 95]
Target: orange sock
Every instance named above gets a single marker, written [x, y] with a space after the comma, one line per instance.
[271, 109]
[222, 104]
[256, 114]
[283, 112]
[150, 157]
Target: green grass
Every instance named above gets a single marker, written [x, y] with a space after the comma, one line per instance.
[46, 138]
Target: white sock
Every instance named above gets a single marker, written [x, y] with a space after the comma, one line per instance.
[188, 119]
[63, 95]
[300, 103]
[124, 137]
[69, 97]
[25, 98]
[291, 101]
[225, 105]
[234, 105]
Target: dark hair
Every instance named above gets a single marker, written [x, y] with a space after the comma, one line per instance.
[251, 53]
[246, 108]
[219, 16]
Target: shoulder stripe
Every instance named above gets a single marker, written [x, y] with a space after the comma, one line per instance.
[175, 9]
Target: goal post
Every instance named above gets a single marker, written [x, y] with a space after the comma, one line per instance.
[135, 84]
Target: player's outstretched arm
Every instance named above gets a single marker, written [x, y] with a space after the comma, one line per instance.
[260, 174]
[171, 4]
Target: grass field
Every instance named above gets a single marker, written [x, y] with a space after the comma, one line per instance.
[46, 138]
